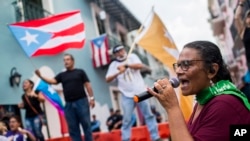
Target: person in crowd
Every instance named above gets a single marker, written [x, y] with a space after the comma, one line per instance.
[111, 119]
[118, 120]
[114, 121]
[156, 113]
[95, 124]
[16, 132]
[242, 24]
[77, 103]
[31, 101]
[125, 69]
[3, 131]
[203, 73]
[5, 120]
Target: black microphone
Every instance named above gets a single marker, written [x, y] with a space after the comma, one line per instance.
[145, 95]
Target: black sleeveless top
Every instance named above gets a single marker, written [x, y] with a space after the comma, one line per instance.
[35, 103]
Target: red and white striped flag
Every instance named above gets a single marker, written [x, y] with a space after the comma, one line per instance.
[50, 35]
[100, 54]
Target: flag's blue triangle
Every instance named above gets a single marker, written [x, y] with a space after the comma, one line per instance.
[99, 41]
[46, 89]
[29, 39]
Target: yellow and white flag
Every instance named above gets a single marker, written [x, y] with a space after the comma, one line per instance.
[156, 40]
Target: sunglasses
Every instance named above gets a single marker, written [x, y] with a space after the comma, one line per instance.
[184, 65]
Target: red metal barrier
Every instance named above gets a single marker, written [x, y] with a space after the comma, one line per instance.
[139, 133]
[164, 130]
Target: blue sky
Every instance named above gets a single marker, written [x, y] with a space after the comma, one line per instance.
[186, 20]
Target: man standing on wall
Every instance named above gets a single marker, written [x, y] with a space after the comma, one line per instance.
[77, 104]
[130, 82]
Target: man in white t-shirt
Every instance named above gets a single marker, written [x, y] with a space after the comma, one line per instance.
[130, 82]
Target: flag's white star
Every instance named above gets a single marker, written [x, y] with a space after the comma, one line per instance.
[99, 42]
[30, 38]
[51, 90]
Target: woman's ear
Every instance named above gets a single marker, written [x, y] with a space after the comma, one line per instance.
[213, 70]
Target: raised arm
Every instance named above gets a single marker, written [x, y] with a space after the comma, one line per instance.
[121, 69]
[27, 133]
[114, 72]
[112, 77]
[134, 66]
[48, 80]
[168, 99]
[136, 63]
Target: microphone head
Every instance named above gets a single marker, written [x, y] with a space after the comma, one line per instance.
[175, 82]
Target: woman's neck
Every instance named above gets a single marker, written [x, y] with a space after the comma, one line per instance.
[28, 91]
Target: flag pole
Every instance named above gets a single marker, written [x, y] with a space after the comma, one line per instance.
[139, 30]
[47, 125]
[33, 63]
[134, 41]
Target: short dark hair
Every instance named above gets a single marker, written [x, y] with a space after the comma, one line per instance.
[210, 53]
[17, 118]
[111, 110]
[70, 55]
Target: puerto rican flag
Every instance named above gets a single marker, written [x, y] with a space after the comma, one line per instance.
[53, 98]
[50, 35]
[99, 48]
[50, 94]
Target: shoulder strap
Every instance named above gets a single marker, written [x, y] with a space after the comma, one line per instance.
[28, 101]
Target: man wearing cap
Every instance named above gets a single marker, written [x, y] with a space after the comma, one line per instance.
[126, 71]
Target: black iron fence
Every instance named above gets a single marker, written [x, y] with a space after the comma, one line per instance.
[27, 10]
